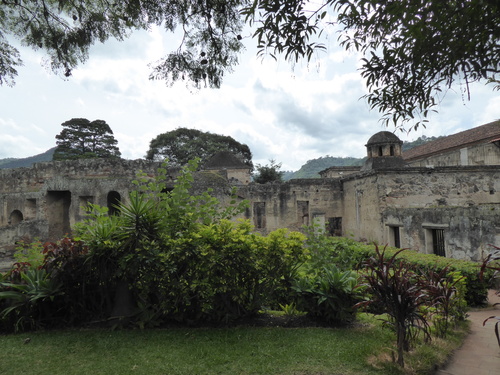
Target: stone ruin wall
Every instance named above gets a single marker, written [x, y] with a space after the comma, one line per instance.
[295, 203]
[463, 201]
[44, 202]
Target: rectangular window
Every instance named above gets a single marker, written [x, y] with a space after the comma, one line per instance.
[335, 226]
[259, 215]
[434, 239]
[396, 237]
[30, 208]
[438, 242]
[303, 212]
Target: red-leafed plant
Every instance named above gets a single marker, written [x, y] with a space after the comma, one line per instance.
[446, 291]
[394, 288]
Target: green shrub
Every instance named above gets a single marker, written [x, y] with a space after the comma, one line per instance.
[328, 295]
[31, 253]
[476, 287]
[447, 305]
[173, 256]
[25, 300]
[344, 253]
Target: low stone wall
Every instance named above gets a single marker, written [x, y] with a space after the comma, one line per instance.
[26, 231]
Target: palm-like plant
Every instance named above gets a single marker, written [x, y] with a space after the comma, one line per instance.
[24, 298]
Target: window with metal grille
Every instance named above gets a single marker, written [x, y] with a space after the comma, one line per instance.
[438, 242]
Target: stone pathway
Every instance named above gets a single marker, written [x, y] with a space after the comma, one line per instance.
[480, 353]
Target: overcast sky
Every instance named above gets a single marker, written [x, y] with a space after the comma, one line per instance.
[287, 115]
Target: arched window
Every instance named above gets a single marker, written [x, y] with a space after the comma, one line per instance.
[392, 150]
[15, 217]
[114, 199]
[380, 151]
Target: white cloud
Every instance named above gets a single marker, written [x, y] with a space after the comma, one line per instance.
[290, 115]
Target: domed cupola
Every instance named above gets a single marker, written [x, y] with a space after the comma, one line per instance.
[384, 151]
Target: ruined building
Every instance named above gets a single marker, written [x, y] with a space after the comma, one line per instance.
[442, 197]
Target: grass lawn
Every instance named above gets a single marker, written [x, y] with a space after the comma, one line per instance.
[191, 351]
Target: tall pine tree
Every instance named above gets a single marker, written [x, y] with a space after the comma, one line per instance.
[82, 139]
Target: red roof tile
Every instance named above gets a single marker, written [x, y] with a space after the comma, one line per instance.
[480, 134]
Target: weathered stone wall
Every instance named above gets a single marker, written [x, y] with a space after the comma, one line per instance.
[293, 204]
[27, 231]
[361, 207]
[468, 231]
[462, 201]
[483, 154]
[338, 172]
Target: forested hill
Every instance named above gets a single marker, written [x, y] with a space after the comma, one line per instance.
[27, 162]
[419, 141]
[314, 166]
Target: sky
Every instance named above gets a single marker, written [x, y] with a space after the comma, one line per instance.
[284, 113]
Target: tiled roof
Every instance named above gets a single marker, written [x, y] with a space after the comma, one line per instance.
[480, 134]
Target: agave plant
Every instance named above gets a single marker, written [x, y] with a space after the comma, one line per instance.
[24, 298]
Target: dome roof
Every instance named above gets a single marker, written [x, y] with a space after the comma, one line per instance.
[383, 138]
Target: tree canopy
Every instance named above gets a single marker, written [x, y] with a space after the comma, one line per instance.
[82, 139]
[413, 50]
[66, 30]
[181, 145]
[268, 173]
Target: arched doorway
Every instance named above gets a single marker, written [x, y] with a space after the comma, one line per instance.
[15, 217]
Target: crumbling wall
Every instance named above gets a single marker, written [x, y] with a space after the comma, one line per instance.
[294, 204]
[468, 231]
[463, 203]
[26, 231]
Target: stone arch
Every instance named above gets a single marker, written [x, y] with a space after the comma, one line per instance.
[113, 200]
[15, 217]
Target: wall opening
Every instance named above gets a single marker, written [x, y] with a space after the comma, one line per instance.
[319, 223]
[58, 204]
[335, 226]
[391, 150]
[303, 212]
[114, 199]
[30, 208]
[84, 203]
[259, 215]
[15, 217]
[395, 237]
[435, 241]
[438, 242]
[380, 151]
